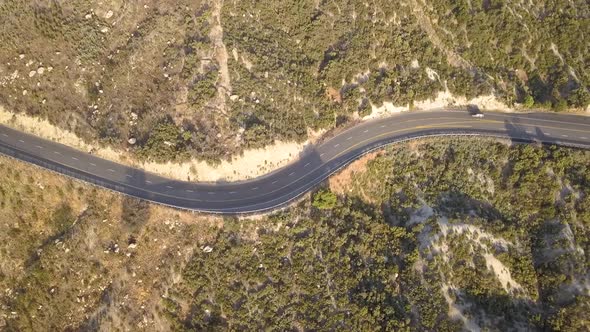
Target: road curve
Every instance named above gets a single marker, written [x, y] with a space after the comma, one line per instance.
[284, 185]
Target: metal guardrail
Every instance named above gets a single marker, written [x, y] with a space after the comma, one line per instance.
[267, 206]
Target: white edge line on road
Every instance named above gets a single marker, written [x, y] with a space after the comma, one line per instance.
[277, 205]
[254, 209]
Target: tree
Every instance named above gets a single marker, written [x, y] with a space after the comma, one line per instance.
[529, 101]
[325, 199]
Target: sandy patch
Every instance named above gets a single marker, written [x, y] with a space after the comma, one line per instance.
[456, 310]
[384, 110]
[446, 99]
[477, 236]
[442, 100]
[251, 164]
[502, 273]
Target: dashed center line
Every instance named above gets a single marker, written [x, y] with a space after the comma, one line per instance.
[337, 145]
[127, 175]
[20, 140]
[169, 187]
[275, 181]
[148, 181]
[111, 170]
[292, 173]
[382, 126]
[211, 193]
[305, 165]
[564, 135]
[233, 192]
[92, 164]
[366, 131]
[348, 139]
[584, 137]
[189, 191]
[38, 146]
[529, 132]
[322, 154]
[4, 135]
[74, 158]
[56, 152]
[255, 188]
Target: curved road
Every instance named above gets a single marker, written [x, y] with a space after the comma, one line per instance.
[315, 165]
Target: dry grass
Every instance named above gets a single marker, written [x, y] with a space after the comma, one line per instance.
[106, 263]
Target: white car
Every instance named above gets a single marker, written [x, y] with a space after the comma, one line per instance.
[478, 115]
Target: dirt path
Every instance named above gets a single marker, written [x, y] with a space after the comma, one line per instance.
[221, 56]
[453, 58]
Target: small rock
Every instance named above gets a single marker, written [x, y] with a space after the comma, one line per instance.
[132, 140]
[104, 30]
[109, 14]
[88, 16]
[25, 92]
[21, 56]
[207, 249]
[132, 246]
[234, 97]
[32, 73]
[40, 70]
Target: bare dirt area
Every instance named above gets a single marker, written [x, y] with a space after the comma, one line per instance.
[343, 182]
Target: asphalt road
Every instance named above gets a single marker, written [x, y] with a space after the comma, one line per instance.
[313, 167]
